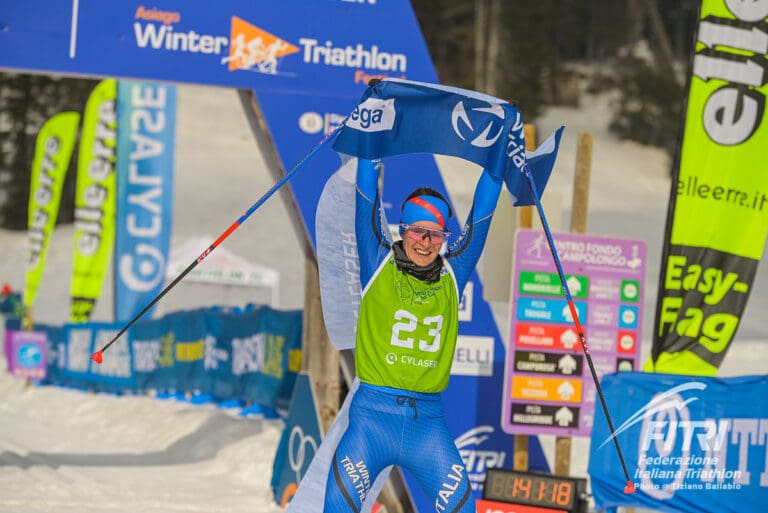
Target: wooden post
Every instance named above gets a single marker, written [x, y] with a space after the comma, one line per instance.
[581, 183]
[526, 213]
[579, 210]
[320, 359]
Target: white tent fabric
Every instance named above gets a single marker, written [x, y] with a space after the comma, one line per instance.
[220, 267]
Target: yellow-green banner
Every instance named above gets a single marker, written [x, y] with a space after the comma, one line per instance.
[53, 151]
[718, 217]
[95, 200]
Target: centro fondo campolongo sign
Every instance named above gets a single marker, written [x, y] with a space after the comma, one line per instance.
[548, 385]
[306, 63]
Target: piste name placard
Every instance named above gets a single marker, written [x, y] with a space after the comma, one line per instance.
[548, 385]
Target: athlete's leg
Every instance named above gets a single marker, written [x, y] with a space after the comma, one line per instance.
[367, 447]
[430, 454]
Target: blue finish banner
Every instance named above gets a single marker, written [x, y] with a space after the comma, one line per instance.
[145, 155]
[287, 45]
[691, 445]
[55, 352]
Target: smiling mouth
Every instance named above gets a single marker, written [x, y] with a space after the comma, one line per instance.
[422, 252]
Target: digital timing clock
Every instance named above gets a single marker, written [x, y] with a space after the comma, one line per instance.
[566, 494]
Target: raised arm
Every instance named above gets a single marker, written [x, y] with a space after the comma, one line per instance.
[372, 242]
[464, 254]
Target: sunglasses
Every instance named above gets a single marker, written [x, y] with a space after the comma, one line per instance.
[416, 232]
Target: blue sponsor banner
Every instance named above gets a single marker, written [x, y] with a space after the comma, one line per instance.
[260, 347]
[288, 45]
[275, 375]
[81, 341]
[145, 157]
[691, 444]
[147, 337]
[55, 352]
[252, 356]
[169, 352]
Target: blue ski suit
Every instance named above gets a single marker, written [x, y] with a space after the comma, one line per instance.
[389, 424]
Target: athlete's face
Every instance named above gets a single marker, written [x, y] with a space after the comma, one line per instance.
[422, 246]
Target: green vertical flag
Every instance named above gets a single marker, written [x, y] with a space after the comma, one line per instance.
[718, 217]
[53, 151]
[94, 200]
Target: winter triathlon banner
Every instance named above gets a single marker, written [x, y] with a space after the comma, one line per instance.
[53, 151]
[94, 200]
[252, 355]
[690, 445]
[324, 47]
[716, 228]
[145, 157]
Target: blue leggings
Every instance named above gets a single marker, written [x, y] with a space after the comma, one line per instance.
[397, 427]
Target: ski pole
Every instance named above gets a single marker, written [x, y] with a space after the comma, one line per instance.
[630, 487]
[98, 356]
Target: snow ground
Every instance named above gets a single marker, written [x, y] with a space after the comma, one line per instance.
[67, 451]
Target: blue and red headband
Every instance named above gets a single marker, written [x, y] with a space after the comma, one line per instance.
[425, 208]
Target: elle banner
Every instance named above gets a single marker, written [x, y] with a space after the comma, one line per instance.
[53, 151]
[94, 200]
[716, 227]
[691, 445]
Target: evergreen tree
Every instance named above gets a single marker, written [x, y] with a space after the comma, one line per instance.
[26, 103]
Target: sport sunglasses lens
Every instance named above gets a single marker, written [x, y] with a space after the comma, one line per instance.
[420, 233]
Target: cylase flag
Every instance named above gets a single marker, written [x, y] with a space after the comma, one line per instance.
[145, 147]
[716, 226]
[94, 200]
[53, 151]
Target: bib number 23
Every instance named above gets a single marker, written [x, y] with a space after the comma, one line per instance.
[406, 325]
